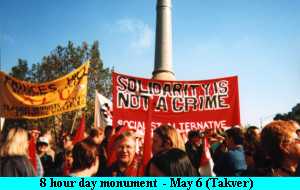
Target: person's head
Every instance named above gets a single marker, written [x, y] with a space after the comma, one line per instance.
[69, 157]
[298, 132]
[15, 143]
[252, 145]
[172, 162]
[195, 138]
[280, 141]
[252, 134]
[125, 145]
[85, 157]
[234, 136]
[34, 132]
[96, 135]
[67, 142]
[166, 137]
[42, 145]
[47, 133]
[108, 131]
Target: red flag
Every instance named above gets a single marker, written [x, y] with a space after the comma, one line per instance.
[97, 112]
[79, 136]
[32, 154]
[147, 139]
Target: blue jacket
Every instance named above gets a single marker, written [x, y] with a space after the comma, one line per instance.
[231, 163]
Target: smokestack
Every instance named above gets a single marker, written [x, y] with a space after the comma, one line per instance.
[163, 44]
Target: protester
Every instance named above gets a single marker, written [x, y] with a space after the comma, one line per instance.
[108, 132]
[85, 159]
[231, 162]
[34, 134]
[257, 162]
[62, 165]
[194, 148]
[35, 160]
[110, 148]
[96, 137]
[172, 162]
[298, 132]
[46, 159]
[68, 162]
[273, 152]
[251, 145]
[282, 145]
[47, 134]
[166, 137]
[217, 138]
[127, 163]
[14, 154]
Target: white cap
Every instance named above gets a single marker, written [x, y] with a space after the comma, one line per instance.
[43, 140]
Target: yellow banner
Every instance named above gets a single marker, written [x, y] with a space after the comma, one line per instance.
[21, 99]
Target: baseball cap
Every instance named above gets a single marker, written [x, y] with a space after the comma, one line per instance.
[43, 140]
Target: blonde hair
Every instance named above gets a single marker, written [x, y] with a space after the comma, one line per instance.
[16, 143]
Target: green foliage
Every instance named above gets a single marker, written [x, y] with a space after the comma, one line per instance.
[61, 61]
[20, 71]
[292, 115]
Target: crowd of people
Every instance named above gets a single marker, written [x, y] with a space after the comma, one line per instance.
[273, 150]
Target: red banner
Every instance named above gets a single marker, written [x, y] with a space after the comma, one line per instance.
[186, 105]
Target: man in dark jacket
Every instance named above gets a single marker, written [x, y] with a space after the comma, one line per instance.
[47, 161]
[232, 162]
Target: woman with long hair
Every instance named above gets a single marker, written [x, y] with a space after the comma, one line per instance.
[166, 137]
[14, 154]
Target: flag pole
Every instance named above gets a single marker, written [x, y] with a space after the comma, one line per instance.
[147, 139]
[74, 122]
[2, 121]
[96, 111]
